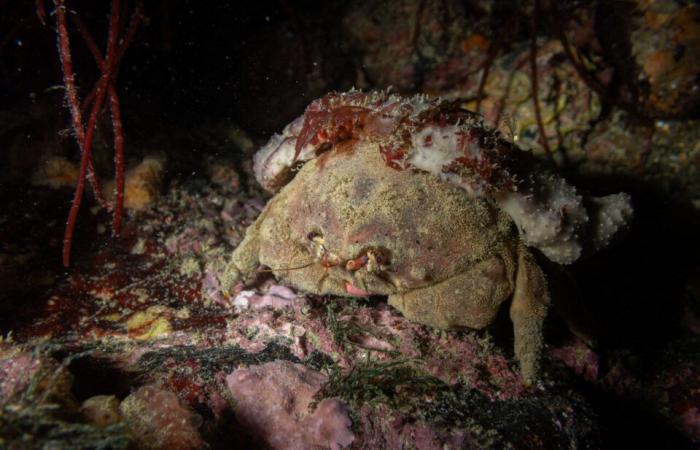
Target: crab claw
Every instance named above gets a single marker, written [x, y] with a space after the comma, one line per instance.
[355, 291]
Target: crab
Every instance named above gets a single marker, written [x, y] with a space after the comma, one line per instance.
[414, 199]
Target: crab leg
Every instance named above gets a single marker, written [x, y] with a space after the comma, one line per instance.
[528, 311]
[246, 257]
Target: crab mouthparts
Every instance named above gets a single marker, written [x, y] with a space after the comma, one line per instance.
[355, 291]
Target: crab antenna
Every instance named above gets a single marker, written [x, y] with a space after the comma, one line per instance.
[285, 269]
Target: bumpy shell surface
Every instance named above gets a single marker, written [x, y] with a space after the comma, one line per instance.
[427, 134]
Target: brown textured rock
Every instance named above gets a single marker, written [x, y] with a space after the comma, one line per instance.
[102, 410]
[158, 420]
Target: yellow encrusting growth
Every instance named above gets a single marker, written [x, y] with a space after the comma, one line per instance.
[56, 172]
[149, 324]
[142, 184]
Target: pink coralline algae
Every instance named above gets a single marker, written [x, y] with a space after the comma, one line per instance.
[32, 377]
[273, 401]
[159, 420]
[385, 428]
[579, 357]
[276, 297]
[16, 371]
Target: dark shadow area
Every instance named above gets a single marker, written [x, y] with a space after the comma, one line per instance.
[626, 423]
[94, 376]
[636, 288]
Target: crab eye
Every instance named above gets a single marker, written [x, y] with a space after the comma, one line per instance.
[313, 235]
[381, 256]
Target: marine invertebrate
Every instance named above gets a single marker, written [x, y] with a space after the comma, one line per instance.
[142, 183]
[414, 198]
[55, 172]
[427, 134]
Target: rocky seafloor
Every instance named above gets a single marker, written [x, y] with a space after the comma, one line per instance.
[135, 346]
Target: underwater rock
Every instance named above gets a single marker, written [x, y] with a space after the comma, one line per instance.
[418, 45]
[29, 376]
[158, 420]
[273, 402]
[662, 42]
[102, 410]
